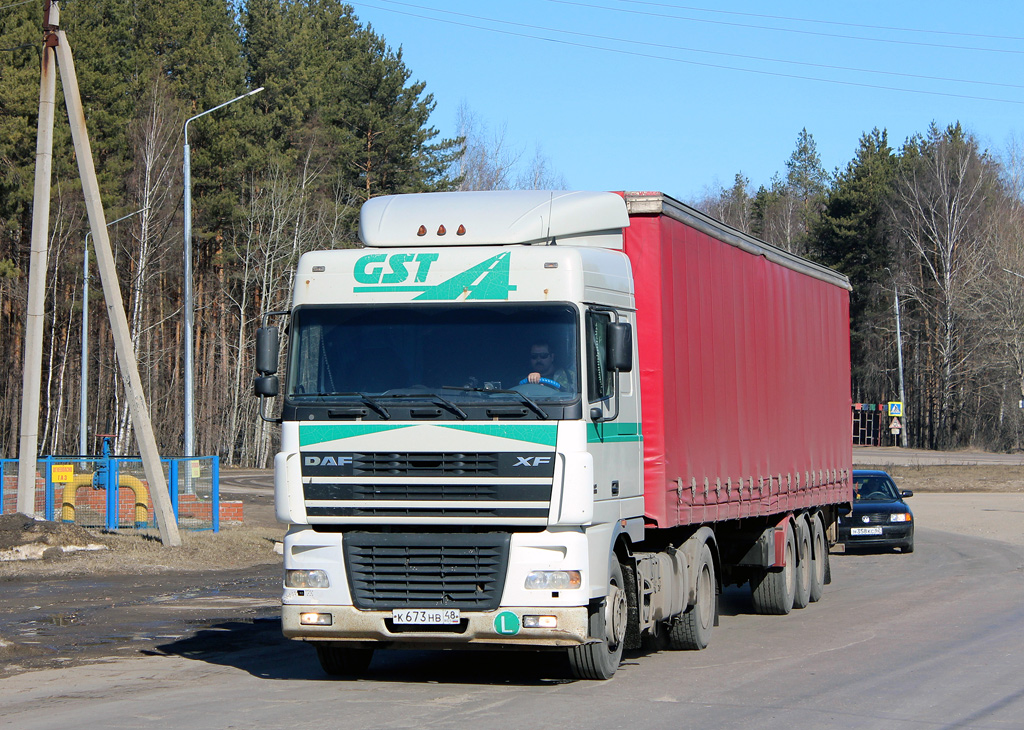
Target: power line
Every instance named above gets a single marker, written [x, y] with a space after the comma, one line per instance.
[689, 62]
[825, 22]
[713, 53]
[784, 30]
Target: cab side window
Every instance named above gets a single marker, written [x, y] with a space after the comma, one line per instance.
[599, 383]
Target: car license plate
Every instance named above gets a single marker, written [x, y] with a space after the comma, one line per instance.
[855, 531]
[426, 616]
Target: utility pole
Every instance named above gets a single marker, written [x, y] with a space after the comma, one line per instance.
[35, 311]
[57, 40]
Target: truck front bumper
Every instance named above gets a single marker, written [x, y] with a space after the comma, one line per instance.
[490, 628]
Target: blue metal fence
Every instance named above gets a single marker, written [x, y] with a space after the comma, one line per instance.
[94, 491]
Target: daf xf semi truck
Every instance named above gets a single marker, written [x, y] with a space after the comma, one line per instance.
[553, 420]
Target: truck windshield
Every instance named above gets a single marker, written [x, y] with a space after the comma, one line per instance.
[461, 352]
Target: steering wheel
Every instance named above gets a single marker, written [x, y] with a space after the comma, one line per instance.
[544, 381]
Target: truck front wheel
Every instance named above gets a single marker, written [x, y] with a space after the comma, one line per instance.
[340, 661]
[600, 659]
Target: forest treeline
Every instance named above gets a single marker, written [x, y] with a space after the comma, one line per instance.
[342, 119]
[282, 172]
[938, 221]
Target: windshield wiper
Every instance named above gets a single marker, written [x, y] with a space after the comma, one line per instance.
[377, 407]
[433, 398]
[533, 406]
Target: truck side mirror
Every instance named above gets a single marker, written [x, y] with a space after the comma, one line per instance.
[266, 386]
[620, 347]
[266, 351]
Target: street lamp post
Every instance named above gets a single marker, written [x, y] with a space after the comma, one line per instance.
[190, 437]
[899, 356]
[84, 395]
[899, 361]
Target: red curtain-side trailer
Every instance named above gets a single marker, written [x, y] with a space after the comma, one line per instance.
[744, 356]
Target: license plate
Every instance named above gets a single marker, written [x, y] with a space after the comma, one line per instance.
[426, 616]
[865, 531]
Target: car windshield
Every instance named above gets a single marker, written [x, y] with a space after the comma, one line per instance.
[459, 352]
[874, 489]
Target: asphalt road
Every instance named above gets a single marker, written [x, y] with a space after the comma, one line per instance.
[934, 639]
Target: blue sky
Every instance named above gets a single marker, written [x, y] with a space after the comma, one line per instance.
[648, 95]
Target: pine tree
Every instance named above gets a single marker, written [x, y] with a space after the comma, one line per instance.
[393, 149]
[805, 177]
[853, 235]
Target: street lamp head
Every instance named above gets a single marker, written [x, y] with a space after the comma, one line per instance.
[219, 106]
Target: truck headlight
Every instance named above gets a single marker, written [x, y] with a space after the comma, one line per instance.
[306, 579]
[554, 580]
[316, 619]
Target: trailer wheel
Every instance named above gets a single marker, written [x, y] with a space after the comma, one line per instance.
[600, 659]
[692, 629]
[802, 594]
[819, 558]
[828, 564]
[340, 661]
[773, 589]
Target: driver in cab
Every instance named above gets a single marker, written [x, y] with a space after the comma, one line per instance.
[544, 366]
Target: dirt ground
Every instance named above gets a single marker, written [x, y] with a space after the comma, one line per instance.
[125, 594]
[956, 479]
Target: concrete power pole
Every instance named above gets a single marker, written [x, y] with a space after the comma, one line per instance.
[112, 294]
[35, 311]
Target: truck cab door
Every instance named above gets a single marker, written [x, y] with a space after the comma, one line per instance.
[613, 411]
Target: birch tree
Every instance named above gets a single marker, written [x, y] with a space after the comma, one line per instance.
[941, 220]
[155, 136]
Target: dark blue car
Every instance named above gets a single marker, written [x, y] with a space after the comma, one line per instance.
[880, 517]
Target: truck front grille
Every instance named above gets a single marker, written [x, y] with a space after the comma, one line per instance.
[474, 491]
[424, 464]
[403, 570]
[504, 503]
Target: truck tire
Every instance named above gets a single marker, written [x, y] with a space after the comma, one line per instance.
[599, 659]
[692, 629]
[828, 565]
[819, 558]
[341, 661]
[772, 590]
[802, 593]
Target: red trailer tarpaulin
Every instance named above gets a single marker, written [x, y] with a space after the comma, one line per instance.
[745, 370]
